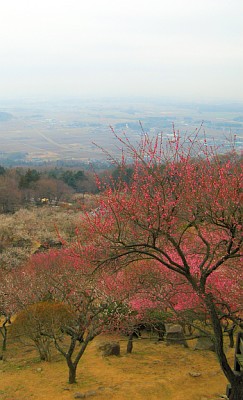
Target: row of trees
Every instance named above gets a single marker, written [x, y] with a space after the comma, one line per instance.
[60, 299]
[168, 239]
[19, 187]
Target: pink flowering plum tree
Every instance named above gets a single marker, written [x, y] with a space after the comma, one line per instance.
[181, 208]
[67, 277]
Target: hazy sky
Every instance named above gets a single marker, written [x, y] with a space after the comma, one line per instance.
[188, 49]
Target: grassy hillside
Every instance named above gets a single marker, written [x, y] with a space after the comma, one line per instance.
[154, 371]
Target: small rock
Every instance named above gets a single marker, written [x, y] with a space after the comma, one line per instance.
[85, 395]
[115, 387]
[204, 343]
[195, 374]
[175, 335]
[39, 369]
[110, 349]
[90, 393]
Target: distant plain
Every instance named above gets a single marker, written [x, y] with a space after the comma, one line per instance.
[36, 131]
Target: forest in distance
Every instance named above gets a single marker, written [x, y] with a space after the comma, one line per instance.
[69, 133]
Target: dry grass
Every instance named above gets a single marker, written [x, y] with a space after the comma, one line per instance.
[153, 371]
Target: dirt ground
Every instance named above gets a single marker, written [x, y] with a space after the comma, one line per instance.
[153, 371]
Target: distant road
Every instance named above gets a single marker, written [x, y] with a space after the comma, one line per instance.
[49, 140]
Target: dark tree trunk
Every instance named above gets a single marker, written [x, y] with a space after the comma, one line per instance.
[44, 356]
[130, 344]
[230, 331]
[4, 333]
[44, 350]
[72, 365]
[72, 373]
[235, 378]
[161, 334]
[237, 389]
[231, 338]
[4, 346]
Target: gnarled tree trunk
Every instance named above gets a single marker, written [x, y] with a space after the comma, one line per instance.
[237, 388]
[235, 378]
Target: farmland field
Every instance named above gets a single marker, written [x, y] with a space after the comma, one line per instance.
[50, 131]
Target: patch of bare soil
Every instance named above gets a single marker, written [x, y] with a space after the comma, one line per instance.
[153, 371]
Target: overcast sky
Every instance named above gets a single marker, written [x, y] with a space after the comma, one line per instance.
[188, 49]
